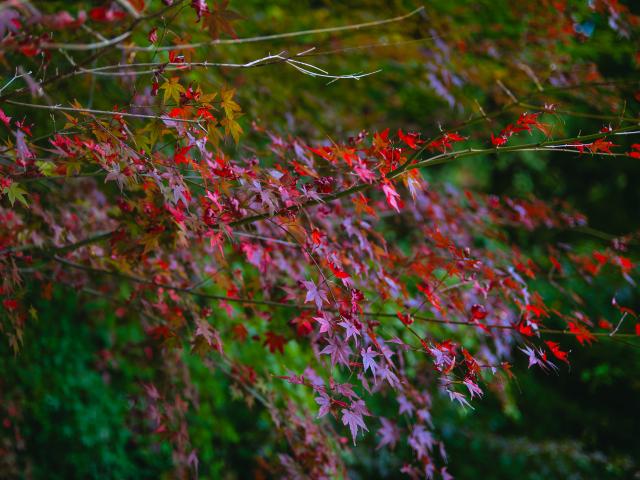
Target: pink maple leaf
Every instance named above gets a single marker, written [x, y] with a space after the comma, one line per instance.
[393, 197]
[389, 433]
[315, 294]
[368, 361]
[355, 422]
[339, 352]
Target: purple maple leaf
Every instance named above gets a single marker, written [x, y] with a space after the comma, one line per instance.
[311, 375]
[339, 352]
[345, 389]
[474, 389]
[368, 361]
[405, 405]
[351, 330]
[355, 421]
[389, 433]
[460, 398]
[326, 326]
[445, 475]
[387, 374]
[421, 440]
[325, 404]
[315, 294]
[9, 21]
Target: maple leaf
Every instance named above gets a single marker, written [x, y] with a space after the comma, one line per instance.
[231, 127]
[210, 336]
[405, 405]
[389, 433]
[582, 334]
[240, 332]
[227, 103]
[532, 356]
[473, 388]
[368, 361]
[363, 172]
[200, 7]
[420, 440]
[460, 398]
[351, 330]
[557, 352]
[478, 312]
[15, 192]
[325, 404]
[498, 141]
[601, 145]
[172, 90]
[393, 198]
[326, 326]
[355, 422]
[445, 141]
[315, 294]
[303, 325]
[220, 20]
[411, 139]
[180, 155]
[531, 119]
[381, 140]
[339, 352]
[275, 342]
[4, 118]
[104, 14]
[445, 474]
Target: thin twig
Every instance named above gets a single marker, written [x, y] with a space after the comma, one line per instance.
[101, 112]
[276, 36]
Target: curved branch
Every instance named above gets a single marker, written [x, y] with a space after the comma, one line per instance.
[269, 303]
[231, 41]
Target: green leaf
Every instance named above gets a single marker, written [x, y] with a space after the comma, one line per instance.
[16, 192]
[46, 168]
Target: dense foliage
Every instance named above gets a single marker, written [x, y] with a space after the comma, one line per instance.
[318, 240]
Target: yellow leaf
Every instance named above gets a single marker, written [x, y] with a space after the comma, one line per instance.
[172, 90]
[228, 104]
[231, 127]
[214, 135]
[208, 98]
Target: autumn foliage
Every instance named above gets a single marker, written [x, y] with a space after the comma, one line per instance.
[321, 272]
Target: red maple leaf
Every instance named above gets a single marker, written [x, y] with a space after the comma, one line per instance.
[275, 342]
[180, 156]
[411, 139]
[582, 334]
[557, 352]
[601, 145]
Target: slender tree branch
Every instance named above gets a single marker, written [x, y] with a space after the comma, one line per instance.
[249, 301]
[101, 112]
[276, 36]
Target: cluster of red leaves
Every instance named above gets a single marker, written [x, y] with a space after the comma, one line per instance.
[524, 123]
[330, 264]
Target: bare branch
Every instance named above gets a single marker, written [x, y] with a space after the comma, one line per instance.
[262, 38]
[101, 112]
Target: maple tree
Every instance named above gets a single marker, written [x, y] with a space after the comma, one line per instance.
[150, 185]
